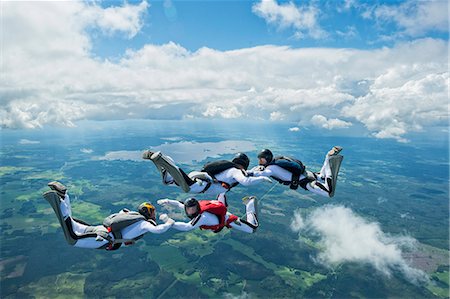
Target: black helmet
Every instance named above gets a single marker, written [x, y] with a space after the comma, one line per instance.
[241, 159]
[192, 202]
[266, 154]
[147, 210]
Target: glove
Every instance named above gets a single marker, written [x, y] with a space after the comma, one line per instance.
[267, 179]
[162, 202]
[166, 219]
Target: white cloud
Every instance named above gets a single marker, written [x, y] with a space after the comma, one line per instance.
[346, 237]
[415, 18]
[297, 223]
[330, 124]
[392, 107]
[348, 4]
[86, 150]
[223, 112]
[303, 19]
[294, 129]
[350, 32]
[126, 19]
[391, 91]
[276, 116]
[27, 141]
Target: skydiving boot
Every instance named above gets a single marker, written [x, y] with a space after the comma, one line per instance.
[155, 155]
[335, 150]
[147, 154]
[59, 188]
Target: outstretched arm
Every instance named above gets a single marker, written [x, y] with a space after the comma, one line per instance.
[142, 227]
[188, 226]
[156, 229]
[183, 226]
[267, 172]
[205, 219]
[239, 176]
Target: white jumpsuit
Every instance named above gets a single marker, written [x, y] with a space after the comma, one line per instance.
[230, 176]
[209, 219]
[286, 176]
[129, 232]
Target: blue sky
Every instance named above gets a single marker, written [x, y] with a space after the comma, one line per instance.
[229, 25]
[332, 65]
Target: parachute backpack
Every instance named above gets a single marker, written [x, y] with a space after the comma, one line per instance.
[292, 165]
[216, 167]
[116, 222]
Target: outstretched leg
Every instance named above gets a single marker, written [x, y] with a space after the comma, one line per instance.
[75, 231]
[169, 171]
[250, 223]
[175, 176]
[167, 179]
[325, 184]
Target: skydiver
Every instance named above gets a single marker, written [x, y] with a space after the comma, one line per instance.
[213, 214]
[123, 227]
[292, 172]
[215, 178]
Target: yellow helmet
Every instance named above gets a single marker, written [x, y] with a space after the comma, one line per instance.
[147, 210]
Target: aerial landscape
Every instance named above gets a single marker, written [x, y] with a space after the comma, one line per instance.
[380, 187]
[87, 87]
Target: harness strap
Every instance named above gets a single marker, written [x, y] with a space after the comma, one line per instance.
[225, 185]
[231, 219]
[303, 182]
[115, 243]
[125, 241]
[295, 182]
[206, 187]
[218, 227]
[281, 181]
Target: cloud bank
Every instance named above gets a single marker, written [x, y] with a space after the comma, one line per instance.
[347, 237]
[391, 91]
